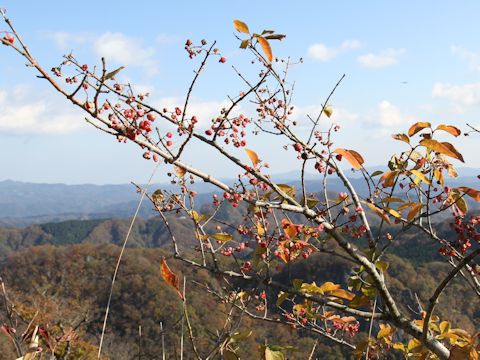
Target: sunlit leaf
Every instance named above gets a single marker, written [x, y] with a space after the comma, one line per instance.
[391, 199]
[282, 296]
[329, 286]
[421, 176]
[382, 265]
[354, 158]
[438, 175]
[401, 137]
[328, 110]
[260, 229]
[393, 212]
[444, 327]
[341, 293]
[450, 129]
[474, 194]
[379, 212]
[244, 44]
[376, 173]
[222, 237]
[388, 178]
[271, 354]
[415, 128]
[385, 330]
[169, 276]
[253, 156]
[266, 48]
[414, 211]
[289, 228]
[359, 301]
[442, 148]
[240, 26]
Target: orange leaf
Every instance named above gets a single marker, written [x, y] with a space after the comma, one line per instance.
[414, 211]
[289, 228]
[475, 194]
[266, 48]
[442, 148]
[450, 129]
[240, 26]
[415, 128]
[388, 178]
[169, 276]
[341, 293]
[253, 156]
[353, 157]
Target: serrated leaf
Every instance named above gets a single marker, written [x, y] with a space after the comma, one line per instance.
[266, 48]
[415, 128]
[169, 276]
[253, 157]
[442, 148]
[240, 26]
[401, 137]
[450, 129]
[354, 158]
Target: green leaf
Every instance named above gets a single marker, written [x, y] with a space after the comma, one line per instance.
[381, 265]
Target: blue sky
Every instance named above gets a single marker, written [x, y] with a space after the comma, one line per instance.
[404, 62]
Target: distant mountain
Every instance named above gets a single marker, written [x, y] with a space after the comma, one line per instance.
[23, 203]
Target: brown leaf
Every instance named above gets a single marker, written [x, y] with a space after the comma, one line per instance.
[266, 48]
[170, 277]
[414, 211]
[240, 26]
[354, 158]
[180, 171]
[415, 128]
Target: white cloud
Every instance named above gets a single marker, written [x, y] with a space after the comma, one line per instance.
[339, 116]
[323, 53]
[204, 110]
[390, 116]
[69, 40]
[384, 58]
[467, 94]
[125, 50]
[25, 111]
[471, 57]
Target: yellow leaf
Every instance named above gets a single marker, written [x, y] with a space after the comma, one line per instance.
[421, 176]
[444, 327]
[388, 178]
[240, 26]
[475, 194]
[391, 199]
[442, 148]
[401, 137]
[379, 212]
[260, 229]
[385, 330]
[253, 156]
[222, 237]
[354, 158]
[329, 286]
[415, 128]
[289, 228]
[393, 212]
[438, 174]
[266, 48]
[328, 110]
[450, 129]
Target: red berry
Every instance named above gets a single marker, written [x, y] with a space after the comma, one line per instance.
[222, 60]
[188, 42]
[298, 147]
[169, 135]
[9, 38]
[84, 67]
[338, 157]
[151, 116]
[169, 143]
